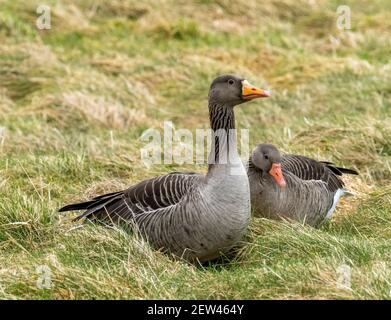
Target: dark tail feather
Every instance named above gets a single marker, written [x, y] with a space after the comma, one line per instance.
[107, 195]
[348, 171]
[339, 170]
[77, 206]
[93, 206]
[97, 206]
[92, 203]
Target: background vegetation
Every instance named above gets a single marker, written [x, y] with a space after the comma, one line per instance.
[75, 99]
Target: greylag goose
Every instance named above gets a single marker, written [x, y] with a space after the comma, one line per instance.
[293, 186]
[193, 216]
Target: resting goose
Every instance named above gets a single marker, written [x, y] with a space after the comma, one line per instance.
[188, 214]
[293, 186]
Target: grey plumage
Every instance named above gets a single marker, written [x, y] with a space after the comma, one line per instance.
[191, 215]
[312, 190]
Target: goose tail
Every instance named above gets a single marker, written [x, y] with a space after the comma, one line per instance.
[76, 206]
[348, 171]
[93, 206]
[339, 170]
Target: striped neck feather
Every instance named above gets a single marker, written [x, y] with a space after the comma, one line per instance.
[222, 122]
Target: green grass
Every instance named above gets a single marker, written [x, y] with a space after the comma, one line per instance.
[75, 99]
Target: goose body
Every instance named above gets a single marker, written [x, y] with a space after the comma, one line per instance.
[188, 214]
[311, 192]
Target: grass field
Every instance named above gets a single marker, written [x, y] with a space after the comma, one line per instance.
[75, 99]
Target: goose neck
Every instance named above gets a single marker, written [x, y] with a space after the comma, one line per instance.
[224, 146]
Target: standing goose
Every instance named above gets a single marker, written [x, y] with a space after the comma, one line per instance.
[188, 214]
[293, 187]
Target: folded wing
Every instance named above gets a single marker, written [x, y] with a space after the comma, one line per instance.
[310, 169]
[147, 196]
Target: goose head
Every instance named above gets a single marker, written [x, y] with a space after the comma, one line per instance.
[267, 158]
[231, 90]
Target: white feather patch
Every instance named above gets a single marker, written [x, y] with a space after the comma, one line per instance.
[337, 195]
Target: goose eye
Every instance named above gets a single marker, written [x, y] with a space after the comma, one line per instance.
[230, 81]
[266, 157]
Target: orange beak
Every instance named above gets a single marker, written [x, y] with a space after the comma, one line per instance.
[276, 173]
[250, 92]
